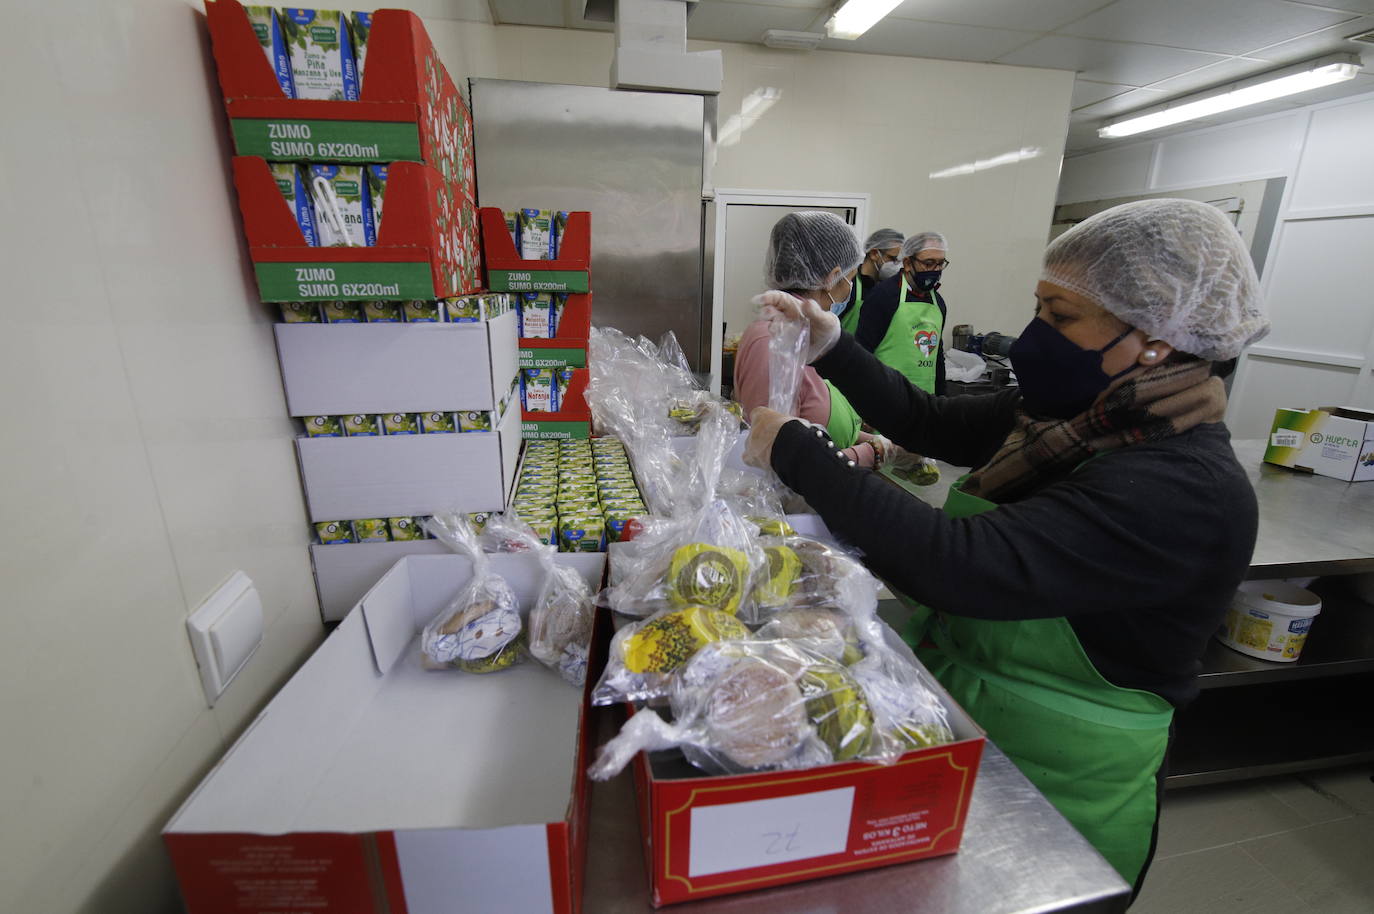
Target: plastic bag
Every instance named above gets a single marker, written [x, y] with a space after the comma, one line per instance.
[645, 655]
[560, 623]
[480, 631]
[787, 342]
[963, 366]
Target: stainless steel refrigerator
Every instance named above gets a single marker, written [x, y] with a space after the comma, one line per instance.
[639, 162]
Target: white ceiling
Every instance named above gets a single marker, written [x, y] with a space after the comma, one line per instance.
[1128, 54]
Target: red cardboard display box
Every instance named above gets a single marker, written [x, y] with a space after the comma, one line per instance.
[707, 835]
[371, 786]
[568, 349]
[574, 416]
[409, 109]
[427, 244]
[507, 272]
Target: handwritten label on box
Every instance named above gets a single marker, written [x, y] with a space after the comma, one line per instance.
[737, 836]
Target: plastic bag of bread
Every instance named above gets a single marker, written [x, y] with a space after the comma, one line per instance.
[560, 623]
[645, 655]
[480, 631]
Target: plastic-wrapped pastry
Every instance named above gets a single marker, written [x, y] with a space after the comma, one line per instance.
[771, 526]
[701, 574]
[755, 714]
[645, 655]
[480, 631]
[778, 577]
[838, 709]
[828, 632]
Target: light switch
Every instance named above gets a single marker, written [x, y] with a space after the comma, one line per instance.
[225, 630]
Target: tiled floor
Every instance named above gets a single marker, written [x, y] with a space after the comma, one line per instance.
[1292, 845]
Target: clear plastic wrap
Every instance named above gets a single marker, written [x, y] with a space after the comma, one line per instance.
[560, 623]
[748, 705]
[787, 342]
[645, 655]
[480, 631]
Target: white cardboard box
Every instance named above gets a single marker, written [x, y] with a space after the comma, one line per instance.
[346, 571]
[341, 369]
[368, 784]
[402, 475]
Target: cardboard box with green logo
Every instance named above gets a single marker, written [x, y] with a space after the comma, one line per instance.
[1335, 441]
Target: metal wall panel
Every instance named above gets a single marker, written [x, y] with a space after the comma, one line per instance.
[634, 160]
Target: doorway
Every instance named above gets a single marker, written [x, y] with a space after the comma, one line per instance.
[743, 221]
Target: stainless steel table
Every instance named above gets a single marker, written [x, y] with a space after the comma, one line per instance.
[1018, 856]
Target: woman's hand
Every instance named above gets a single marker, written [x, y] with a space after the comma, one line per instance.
[764, 424]
[824, 326]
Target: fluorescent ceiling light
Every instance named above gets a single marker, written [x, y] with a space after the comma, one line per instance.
[858, 16]
[1006, 158]
[1312, 75]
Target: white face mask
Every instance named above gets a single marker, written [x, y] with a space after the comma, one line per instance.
[890, 269]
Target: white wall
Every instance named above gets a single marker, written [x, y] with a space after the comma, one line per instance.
[1321, 349]
[839, 125]
[146, 452]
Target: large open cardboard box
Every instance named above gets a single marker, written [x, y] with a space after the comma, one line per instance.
[369, 785]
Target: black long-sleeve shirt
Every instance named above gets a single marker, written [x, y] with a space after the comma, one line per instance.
[880, 306]
[1141, 549]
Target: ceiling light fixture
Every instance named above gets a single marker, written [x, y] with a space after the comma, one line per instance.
[1304, 77]
[858, 16]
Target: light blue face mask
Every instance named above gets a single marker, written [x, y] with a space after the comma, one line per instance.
[838, 307]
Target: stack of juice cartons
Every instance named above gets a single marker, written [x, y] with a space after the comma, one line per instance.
[542, 258]
[356, 180]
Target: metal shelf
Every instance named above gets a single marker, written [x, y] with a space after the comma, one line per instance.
[1341, 643]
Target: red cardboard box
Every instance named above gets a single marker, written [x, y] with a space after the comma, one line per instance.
[569, 347]
[371, 786]
[409, 108]
[718, 835]
[507, 272]
[574, 416]
[427, 244]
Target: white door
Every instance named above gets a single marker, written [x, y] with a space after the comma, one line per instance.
[744, 220]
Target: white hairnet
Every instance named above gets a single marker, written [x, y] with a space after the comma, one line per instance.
[805, 247]
[924, 241]
[1176, 269]
[882, 238]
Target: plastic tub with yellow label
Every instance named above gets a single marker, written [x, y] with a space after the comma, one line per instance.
[1269, 620]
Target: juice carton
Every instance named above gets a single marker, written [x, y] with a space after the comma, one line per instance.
[468, 309]
[291, 183]
[376, 190]
[472, 420]
[539, 390]
[361, 24]
[437, 423]
[342, 312]
[421, 312]
[301, 312]
[322, 426]
[266, 25]
[404, 529]
[537, 320]
[513, 225]
[371, 530]
[400, 424]
[361, 425]
[343, 210]
[536, 234]
[321, 54]
[560, 225]
[383, 312]
[335, 531]
[479, 520]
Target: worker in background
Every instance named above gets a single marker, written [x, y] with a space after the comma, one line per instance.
[903, 318]
[1072, 581]
[882, 247]
[812, 255]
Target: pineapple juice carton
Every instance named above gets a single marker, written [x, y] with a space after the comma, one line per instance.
[361, 26]
[291, 183]
[266, 23]
[343, 207]
[321, 51]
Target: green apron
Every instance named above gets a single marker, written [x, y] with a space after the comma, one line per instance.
[844, 424]
[1092, 748]
[912, 342]
[849, 320]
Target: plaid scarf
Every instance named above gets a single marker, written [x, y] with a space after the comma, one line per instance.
[1159, 403]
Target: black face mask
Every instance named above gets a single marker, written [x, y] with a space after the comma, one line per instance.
[1059, 379]
[925, 280]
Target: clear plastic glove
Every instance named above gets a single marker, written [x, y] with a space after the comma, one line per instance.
[764, 424]
[824, 326]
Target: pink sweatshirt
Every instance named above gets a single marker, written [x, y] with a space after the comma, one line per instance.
[751, 386]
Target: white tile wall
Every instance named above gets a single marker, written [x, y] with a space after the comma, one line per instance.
[147, 453]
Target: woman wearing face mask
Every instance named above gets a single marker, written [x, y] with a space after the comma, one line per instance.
[903, 320]
[883, 247]
[1072, 581]
[814, 256]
